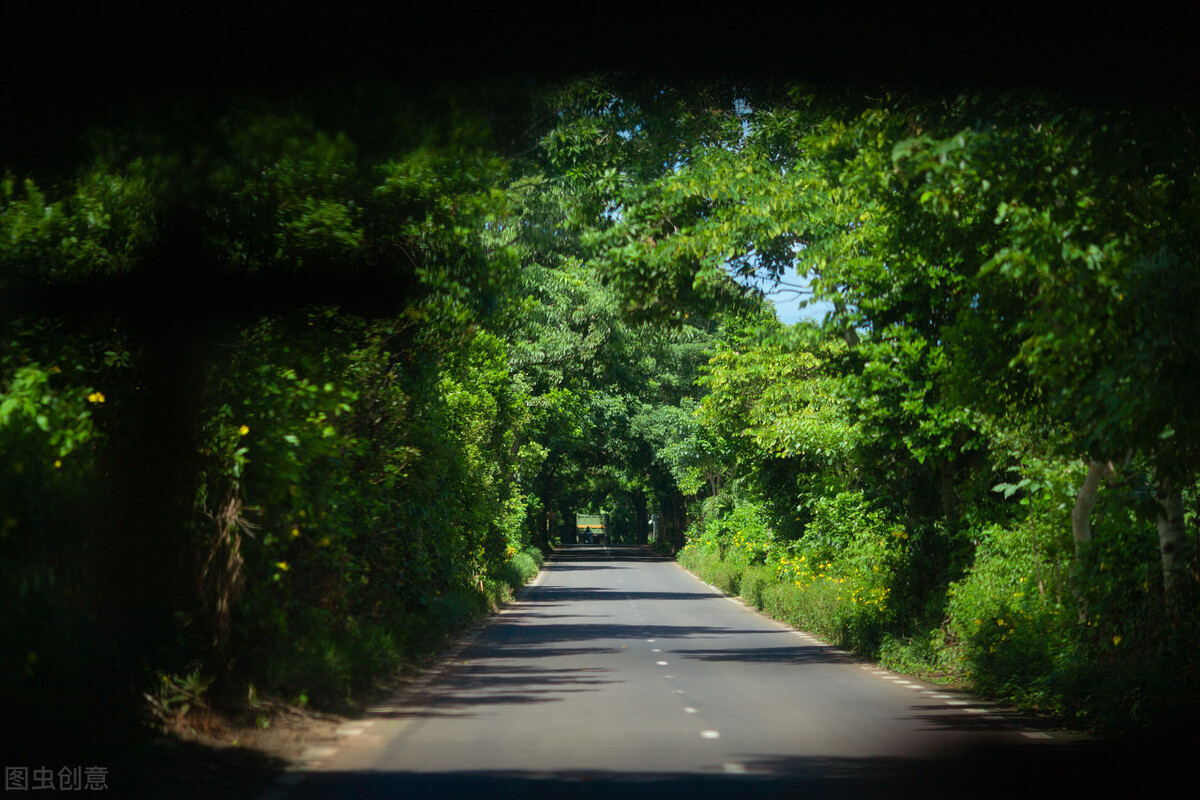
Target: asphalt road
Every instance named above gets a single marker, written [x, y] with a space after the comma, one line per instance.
[618, 674]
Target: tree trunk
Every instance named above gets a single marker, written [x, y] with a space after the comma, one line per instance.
[642, 517]
[1081, 523]
[946, 487]
[541, 523]
[672, 517]
[1085, 501]
[1172, 538]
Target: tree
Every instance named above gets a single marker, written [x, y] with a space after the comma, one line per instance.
[1093, 218]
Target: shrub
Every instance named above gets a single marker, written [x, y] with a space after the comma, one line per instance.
[1007, 633]
[739, 532]
[845, 596]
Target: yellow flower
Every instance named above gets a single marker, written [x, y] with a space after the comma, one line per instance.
[96, 397]
[295, 532]
[57, 464]
[242, 431]
[283, 566]
[1116, 640]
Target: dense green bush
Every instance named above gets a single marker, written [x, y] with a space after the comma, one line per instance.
[1009, 627]
[838, 584]
[329, 491]
[739, 531]
[1009, 634]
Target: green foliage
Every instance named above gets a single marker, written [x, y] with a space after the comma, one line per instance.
[30, 408]
[56, 396]
[564, 322]
[1010, 633]
[1081, 216]
[356, 484]
[838, 523]
[102, 223]
[739, 531]
[288, 195]
[777, 398]
[522, 567]
[177, 695]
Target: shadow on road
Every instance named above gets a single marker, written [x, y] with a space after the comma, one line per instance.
[512, 661]
[570, 594]
[793, 654]
[498, 641]
[1014, 772]
[602, 554]
[473, 688]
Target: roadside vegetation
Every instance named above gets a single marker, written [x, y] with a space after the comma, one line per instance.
[982, 467]
[289, 390]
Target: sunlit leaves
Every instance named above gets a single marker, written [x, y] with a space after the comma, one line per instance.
[782, 402]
